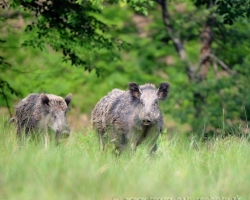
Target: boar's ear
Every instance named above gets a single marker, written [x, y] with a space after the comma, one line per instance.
[162, 91]
[44, 99]
[134, 90]
[68, 99]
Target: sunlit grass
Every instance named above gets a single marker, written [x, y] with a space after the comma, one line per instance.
[77, 169]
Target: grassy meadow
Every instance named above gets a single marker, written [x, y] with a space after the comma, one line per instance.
[182, 168]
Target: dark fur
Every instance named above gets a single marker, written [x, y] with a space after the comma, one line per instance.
[41, 112]
[121, 118]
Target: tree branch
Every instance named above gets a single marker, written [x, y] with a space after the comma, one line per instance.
[222, 64]
[202, 59]
[6, 100]
[178, 44]
[170, 30]
[215, 58]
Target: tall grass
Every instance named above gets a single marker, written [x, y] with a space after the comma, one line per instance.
[76, 169]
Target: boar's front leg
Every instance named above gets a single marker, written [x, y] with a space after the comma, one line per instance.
[148, 137]
[151, 138]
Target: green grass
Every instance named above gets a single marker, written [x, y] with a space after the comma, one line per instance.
[76, 169]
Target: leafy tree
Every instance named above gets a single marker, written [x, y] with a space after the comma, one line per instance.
[5, 65]
[70, 26]
[201, 47]
[209, 25]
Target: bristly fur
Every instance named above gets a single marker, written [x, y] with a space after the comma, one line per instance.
[120, 113]
[57, 101]
[147, 86]
[31, 110]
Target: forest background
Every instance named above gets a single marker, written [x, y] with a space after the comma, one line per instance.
[89, 47]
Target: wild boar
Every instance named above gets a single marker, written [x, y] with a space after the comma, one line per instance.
[43, 113]
[128, 118]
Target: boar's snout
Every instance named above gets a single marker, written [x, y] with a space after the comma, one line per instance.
[63, 133]
[146, 121]
[66, 131]
[149, 118]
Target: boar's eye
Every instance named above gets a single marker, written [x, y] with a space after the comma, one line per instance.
[156, 102]
[55, 117]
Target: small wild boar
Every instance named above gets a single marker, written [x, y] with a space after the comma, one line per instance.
[43, 113]
[128, 118]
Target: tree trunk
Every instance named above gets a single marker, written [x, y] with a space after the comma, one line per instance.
[206, 49]
[196, 74]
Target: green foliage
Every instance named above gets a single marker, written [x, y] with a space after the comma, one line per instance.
[221, 90]
[72, 27]
[229, 9]
[4, 85]
[120, 45]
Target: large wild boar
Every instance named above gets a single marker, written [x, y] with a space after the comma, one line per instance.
[128, 118]
[43, 113]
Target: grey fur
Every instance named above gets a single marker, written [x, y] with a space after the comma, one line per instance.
[41, 113]
[128, 118]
